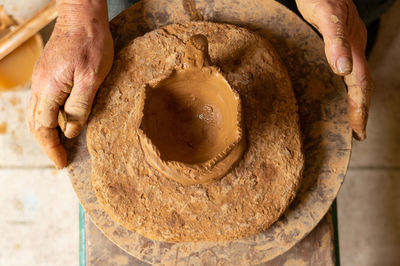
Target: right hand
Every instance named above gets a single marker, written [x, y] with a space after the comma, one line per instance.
[74, 63]
[345, 38]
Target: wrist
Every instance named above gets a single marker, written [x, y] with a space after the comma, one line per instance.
[82, 15]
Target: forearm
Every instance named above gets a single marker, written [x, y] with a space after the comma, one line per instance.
[75, 15]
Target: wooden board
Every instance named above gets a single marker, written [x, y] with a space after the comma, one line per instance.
[326, 135]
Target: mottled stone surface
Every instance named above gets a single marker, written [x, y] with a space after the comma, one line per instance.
[317, 248]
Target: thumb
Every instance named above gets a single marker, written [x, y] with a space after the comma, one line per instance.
[330, 19]
[77, 108]
[337, 46]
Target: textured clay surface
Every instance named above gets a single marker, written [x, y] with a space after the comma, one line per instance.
[249, 198]
[191, 126]
[190, 116]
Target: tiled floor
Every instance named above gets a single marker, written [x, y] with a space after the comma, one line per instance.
[39, 209]
[39, 218]
[39, 215]
[369, 218]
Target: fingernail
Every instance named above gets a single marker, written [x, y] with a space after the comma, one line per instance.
[72, 129]
[344, 65]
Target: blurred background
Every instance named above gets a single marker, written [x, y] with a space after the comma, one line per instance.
[39, 210]
[38, 207]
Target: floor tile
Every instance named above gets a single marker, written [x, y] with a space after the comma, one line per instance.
[17, 146]
[39, 218]
[369, 218]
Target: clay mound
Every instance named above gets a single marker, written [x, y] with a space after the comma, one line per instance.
[247, 200]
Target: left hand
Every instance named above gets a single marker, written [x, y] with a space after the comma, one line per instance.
[345, 38]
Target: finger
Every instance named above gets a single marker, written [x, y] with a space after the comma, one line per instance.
[331, 23]
[44, 130]
[46, 97]
[49, 140]
[360, 85]
[78, 106]
[330, 19]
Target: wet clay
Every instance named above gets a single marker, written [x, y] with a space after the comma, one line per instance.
[146, 91]
[17, 67]
[192, 119]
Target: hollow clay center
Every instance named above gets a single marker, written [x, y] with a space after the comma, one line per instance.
[192, 119]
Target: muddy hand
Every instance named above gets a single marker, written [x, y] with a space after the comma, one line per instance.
[74, 63]
[345, 38]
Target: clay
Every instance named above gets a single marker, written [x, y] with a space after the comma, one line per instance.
[191, 125]
[252, 195]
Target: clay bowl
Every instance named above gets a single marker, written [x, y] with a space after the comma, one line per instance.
[191, 127]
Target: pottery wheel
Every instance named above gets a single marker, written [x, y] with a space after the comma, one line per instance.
[326, 135]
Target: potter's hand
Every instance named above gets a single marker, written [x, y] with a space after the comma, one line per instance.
[74, 63]
[345, 38]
